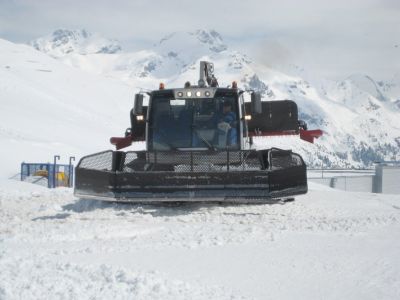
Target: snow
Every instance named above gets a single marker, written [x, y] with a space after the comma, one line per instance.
[358, 114]
[64, 41]
[48, 108]
[326, 244]
[90, 91]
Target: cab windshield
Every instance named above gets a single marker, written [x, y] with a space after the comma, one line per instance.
[201, 123]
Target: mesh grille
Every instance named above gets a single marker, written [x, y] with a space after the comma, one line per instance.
[192, 161]
[284, 159]
[100, 161]
[134, 162]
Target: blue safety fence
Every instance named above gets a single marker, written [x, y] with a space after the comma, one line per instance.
[48, 174]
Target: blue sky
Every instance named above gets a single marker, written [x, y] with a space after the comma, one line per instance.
[332, 38]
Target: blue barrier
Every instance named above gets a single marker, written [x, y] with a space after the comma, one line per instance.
[55, 174]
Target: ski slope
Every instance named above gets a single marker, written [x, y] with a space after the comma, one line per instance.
[326, 245]
[48, 108]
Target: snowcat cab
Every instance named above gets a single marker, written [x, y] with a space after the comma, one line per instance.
[199, 148]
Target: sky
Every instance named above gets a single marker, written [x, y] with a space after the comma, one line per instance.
[333, 39]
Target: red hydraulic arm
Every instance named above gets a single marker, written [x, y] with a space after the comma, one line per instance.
[123, 142]
[306, 135]
[310, 135]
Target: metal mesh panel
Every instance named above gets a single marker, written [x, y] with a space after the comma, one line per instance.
[192, 161]
[99, 161]
[284, 159]
[134, 162]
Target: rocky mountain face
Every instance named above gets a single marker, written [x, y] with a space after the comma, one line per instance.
[358, 114]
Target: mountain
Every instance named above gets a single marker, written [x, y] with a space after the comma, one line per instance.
[358, 114]
[48, 108]
[63, 41]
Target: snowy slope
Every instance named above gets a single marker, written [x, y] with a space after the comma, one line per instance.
[48, 108]
[358, 114]
[325, 245]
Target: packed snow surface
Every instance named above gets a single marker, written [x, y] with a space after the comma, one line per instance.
[325, 245]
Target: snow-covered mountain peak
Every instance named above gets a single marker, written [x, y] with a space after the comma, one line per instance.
[208, 40]
[64, 41]
[179, 51]
[211, 38]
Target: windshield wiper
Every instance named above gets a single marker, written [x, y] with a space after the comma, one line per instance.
[209, 145]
